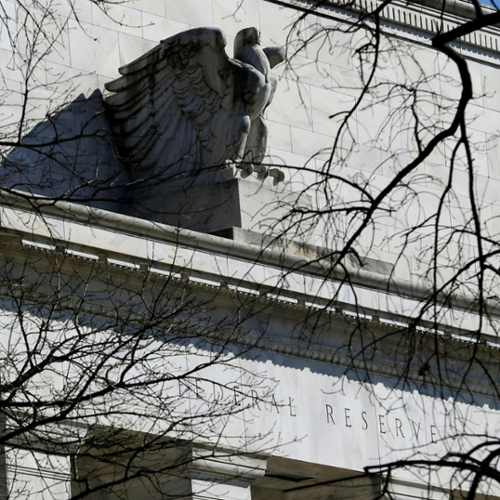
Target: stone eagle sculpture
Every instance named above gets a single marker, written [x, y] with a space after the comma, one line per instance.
[185, 105]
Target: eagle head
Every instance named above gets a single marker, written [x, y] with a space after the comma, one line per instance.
[248, 36]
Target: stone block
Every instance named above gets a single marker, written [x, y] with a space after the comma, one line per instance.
[94, 49]
[216, 201]
[232, 16]
[326, 103]
[157, 7]
[307, 143]
[7, 27]
[279, 135]
[311, 72]
[156, 28]
[292, 104]
[276, 22]
[132, 47]
[196, 13]
[119, 18]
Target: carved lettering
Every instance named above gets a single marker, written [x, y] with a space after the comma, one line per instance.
[347, 413]
[236, 396]
[255, 399]
[416, 430]
[381, 424]
[274, 403]
[399, 427]
[350, 420]
[433, 433]
[329, 415]
[218, 393]
[365, 423]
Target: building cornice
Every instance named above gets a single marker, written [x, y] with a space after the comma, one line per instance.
[341, 316]
[417, 21]
[301, 301]
[280, 257]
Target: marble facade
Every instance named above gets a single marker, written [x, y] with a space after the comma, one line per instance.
[316, 418]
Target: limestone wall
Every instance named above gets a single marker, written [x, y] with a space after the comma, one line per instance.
[322, 79]
[322, 424]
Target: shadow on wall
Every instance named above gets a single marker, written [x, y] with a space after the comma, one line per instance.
[69, 156]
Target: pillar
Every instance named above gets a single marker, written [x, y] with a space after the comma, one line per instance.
[217, 474]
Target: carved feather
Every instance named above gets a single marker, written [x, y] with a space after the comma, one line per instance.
[179, 106]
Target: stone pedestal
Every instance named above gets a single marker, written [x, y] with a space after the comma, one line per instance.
[214, 201]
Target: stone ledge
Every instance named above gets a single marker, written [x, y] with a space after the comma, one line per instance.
[426, 18]
[302, 249]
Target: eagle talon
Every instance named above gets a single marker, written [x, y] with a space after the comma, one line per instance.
[247, 167]
[261, 170]
[277, 174]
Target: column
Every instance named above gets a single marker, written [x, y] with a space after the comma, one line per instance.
[217, 474]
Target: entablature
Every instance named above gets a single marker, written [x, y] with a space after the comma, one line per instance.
[289, 284]
[417, 21]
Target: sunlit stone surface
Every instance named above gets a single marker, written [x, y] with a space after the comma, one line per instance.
[306, 408]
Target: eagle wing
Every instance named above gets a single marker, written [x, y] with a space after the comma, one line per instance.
[178, 108]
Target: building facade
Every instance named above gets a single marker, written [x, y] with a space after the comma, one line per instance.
[242, 333]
